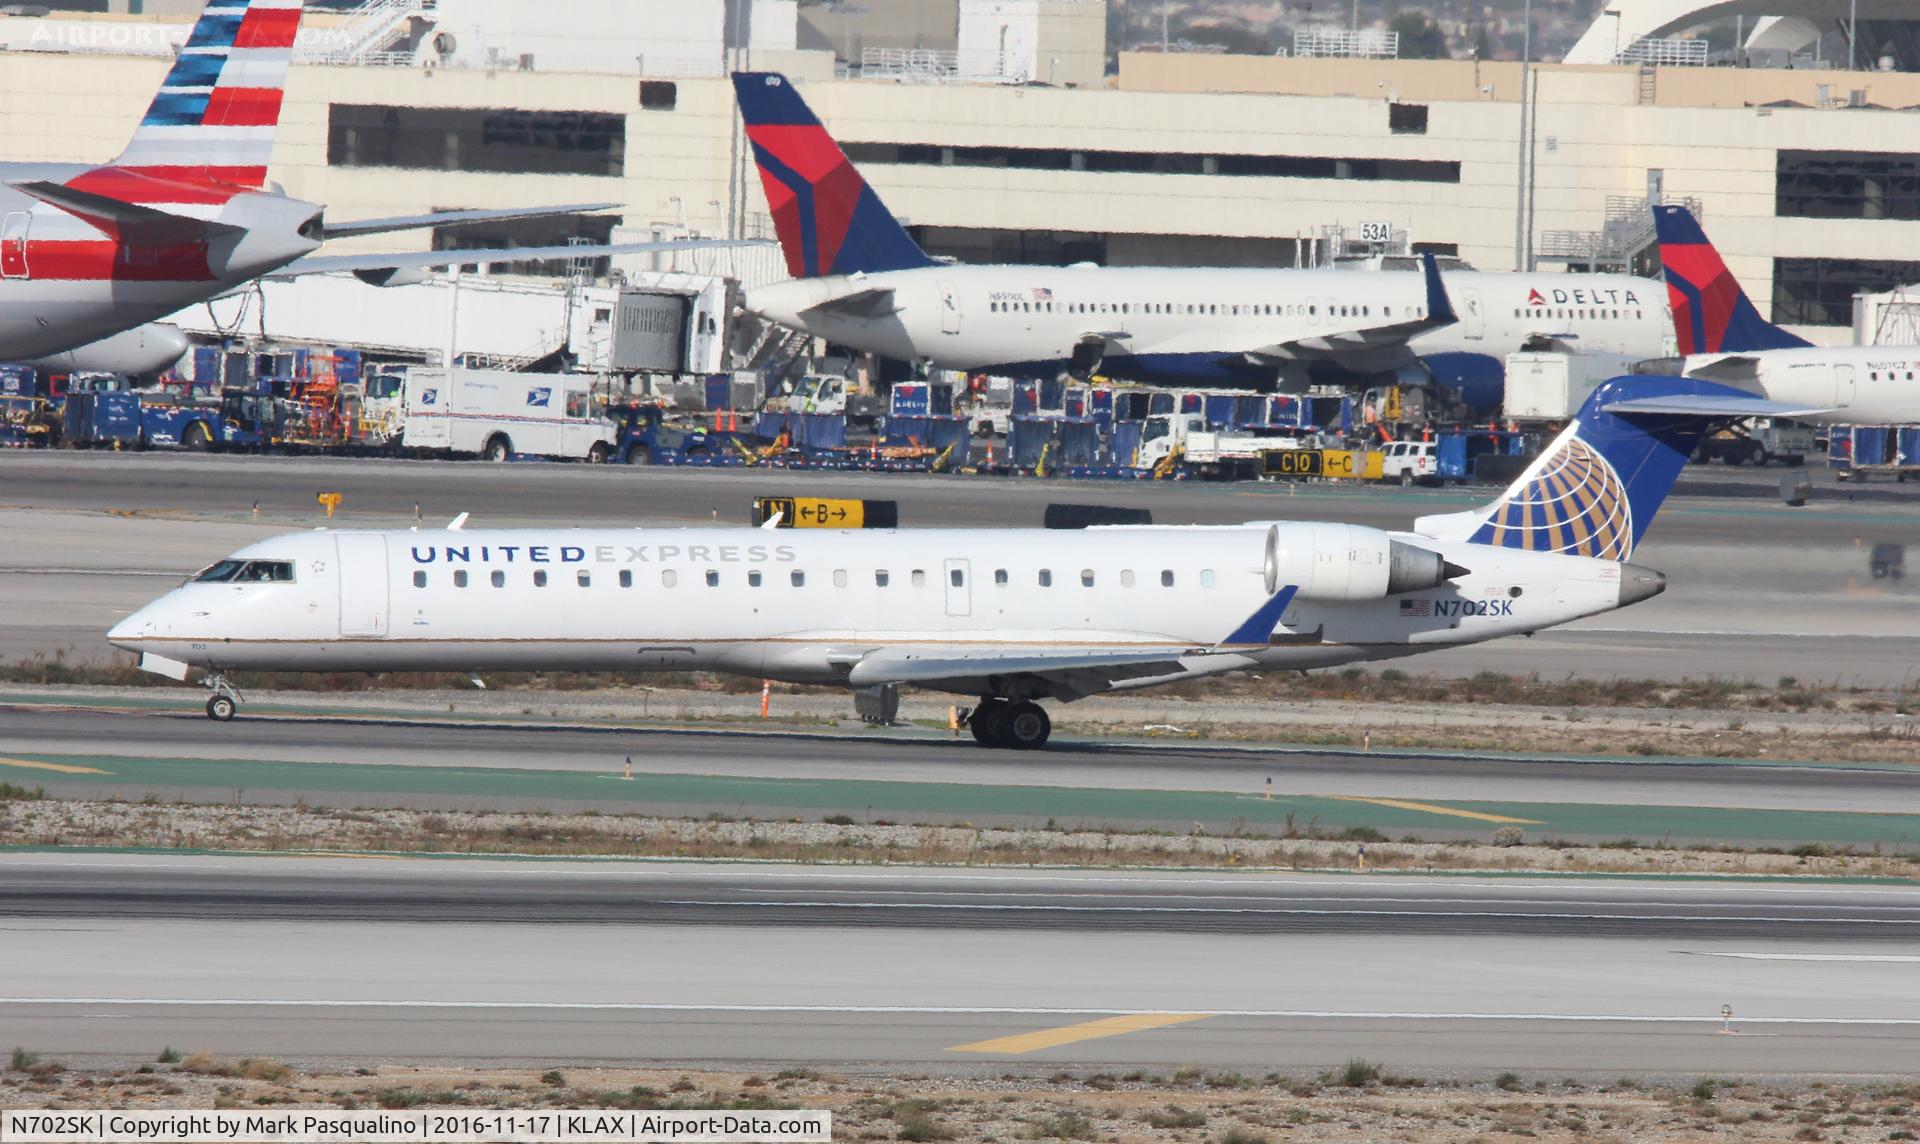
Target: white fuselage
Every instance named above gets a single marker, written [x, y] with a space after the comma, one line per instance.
[1853, 385]
[1196, 325]
[65, 283]
[811, 606]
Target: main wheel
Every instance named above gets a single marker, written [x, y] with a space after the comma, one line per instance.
[220, 708]
[989, 723]
[499, 448]
[1027, 727]
[640, 455]
[196, 437]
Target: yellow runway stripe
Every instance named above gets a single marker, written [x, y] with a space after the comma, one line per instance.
[1401, 804]
[1068, 1034]
[63, 768]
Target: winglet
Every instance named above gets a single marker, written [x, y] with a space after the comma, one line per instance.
[1439, 306]
[1258, 628]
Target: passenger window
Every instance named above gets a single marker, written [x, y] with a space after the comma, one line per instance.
[626, 577]
[839, 577]
[1206, 577]
[753, 578]
[880, 577]
[999, 577]
[1166, 577]
[419, 579]
[957, 578]
[713, 579]
[1046, 577]
[539, 577]
[798, 577]
[1126, 577]
[919, 577]
[584, 578]
[1086, 577]
[460, 577]
[499, 578]
[668, 578]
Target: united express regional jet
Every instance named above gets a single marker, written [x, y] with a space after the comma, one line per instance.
[1008, 616]
[858, 279]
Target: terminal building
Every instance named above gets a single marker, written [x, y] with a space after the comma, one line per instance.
[1020, 142]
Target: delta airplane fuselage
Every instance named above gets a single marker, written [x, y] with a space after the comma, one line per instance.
[1215, 326]
[1015, 613]
[1836, 385]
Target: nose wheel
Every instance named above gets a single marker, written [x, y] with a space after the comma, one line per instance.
[224, 703]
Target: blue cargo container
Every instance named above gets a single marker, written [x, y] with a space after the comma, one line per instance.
[110, 418]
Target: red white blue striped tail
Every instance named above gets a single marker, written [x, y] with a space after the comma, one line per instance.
[214, 117]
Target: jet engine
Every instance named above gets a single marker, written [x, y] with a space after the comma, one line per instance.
[143, 349]
[1350, 562]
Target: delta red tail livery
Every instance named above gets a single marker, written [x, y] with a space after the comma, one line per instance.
[1711, 314]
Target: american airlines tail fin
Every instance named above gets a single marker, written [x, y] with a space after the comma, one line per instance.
[214, 117]
[1711, 313]
[828, 218]
[1596, 488]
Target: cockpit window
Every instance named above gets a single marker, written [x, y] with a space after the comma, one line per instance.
[248, 572]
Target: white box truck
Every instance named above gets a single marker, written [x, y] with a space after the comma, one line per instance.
[496, 415]
[1552, 387]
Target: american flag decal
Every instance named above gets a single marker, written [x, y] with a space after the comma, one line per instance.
[1416, 608]
[1042, 294]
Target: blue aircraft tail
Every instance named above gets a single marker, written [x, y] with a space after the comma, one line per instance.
[1711, 313]
[1596, 488]
[828, 218]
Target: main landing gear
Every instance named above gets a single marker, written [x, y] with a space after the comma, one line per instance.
[225, 700]
[1023, 726]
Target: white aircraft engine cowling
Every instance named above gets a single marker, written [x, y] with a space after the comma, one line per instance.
[1349, 562]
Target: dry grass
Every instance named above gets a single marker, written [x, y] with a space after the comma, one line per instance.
[1138, 1106]
[1292, 846]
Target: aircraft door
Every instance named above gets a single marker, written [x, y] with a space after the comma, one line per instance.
[1843, 381]
[949, 308]
[13, 244]
[363, 584]
[1473, 317]
[959, 585]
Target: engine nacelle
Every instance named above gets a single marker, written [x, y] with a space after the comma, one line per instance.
[143, 349]
[1349, 562]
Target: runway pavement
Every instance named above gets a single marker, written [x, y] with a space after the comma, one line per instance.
[1757, 590]
[950, 971]
[917, 776]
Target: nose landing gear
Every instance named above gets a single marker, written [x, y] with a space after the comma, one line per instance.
[225, 700]
[1022, 726]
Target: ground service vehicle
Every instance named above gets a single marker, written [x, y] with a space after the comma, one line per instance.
[1757, 442]
[498, 415]
[1411, 462]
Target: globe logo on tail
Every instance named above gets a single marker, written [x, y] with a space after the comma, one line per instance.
[1573, 504]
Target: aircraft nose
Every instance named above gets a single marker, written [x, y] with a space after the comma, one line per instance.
[1637, 584]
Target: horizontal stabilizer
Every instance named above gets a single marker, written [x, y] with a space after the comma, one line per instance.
[426, 259]
[1713, 405]
[368, 226]
[124, 219]
[873, 302]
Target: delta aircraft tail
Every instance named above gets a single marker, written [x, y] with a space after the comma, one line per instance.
[214, 117]
[828, 219]
[1595, 489]
[1711, 313]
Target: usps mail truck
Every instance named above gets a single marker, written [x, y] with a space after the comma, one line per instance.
[498, 415]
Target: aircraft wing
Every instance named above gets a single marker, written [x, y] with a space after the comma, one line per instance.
[368, 226]
[128, 220]
[872, 302]
[1071, 673]
[374, 267]
[1379, 346]
[1705, 405]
